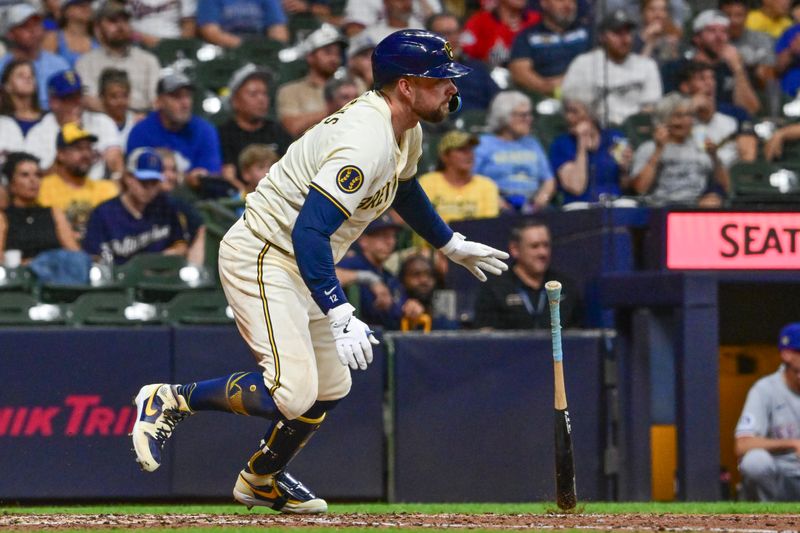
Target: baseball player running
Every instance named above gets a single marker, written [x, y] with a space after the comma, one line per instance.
[277, 267]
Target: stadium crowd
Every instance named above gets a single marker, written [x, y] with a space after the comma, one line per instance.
[116, 118]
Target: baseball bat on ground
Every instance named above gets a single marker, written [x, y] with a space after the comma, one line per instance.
[566, 497]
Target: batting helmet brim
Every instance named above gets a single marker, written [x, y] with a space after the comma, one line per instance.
[448, 70]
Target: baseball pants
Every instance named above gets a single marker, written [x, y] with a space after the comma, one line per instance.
[283, 326]
[766, 479]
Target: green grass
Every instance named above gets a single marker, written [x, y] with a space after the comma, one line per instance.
[427, 508]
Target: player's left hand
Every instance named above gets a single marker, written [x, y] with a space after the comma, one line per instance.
[353, 337]
[475, 257]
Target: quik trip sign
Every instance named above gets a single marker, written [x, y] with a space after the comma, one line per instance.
[79, 415]
[733, 241]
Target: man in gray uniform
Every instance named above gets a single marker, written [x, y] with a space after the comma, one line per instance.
[768, 432]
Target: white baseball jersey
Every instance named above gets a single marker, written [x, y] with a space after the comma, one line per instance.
[352, 158]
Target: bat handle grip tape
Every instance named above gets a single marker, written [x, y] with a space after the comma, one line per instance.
[553, 289]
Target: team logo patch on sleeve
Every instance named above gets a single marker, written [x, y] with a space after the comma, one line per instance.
[349, 179]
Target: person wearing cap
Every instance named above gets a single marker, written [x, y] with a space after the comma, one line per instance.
[361, 15]
[141, 219]
[772, 17]
[25, 35]
[489, 34]
[154, 20]
[172, 125]
[68, 187]
[711, 44]
[227, 23]
[541, 53]
[768, 431]
[477, 88]
[381, 298]
[301, 103]
[455, 191]
[621, 82]
[359, 60]
[66, 105]
[516, 299]
[73, 37]
[113, 27]
[250, 124]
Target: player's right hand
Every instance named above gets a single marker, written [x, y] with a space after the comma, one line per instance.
[353, 337]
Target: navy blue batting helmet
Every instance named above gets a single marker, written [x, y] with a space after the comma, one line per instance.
[417, 53]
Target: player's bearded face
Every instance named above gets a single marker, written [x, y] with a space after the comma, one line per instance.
[431, 98]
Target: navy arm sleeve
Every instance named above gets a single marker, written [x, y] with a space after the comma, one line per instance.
[417, 210]
[311, 238]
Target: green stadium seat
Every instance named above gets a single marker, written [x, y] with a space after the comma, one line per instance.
[15, 279]
[473, 121]
[219, 216]
[198, 307]
[149, 268]
[66, 294]
[14, 308]
[301, 25]
[168, 51]
[430, 153]
[256, 50]
[761, 182]
[639, 128]
[548, 127]
[104, 309]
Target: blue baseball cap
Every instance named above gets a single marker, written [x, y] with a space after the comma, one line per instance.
[382, 222]
[64, 83]
[146, 164]
[790, 337]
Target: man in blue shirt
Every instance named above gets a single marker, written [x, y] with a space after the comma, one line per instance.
[138, 220]
[173, 126]
[541, 54]
[25, 35]
[381, 295]
[226, 22]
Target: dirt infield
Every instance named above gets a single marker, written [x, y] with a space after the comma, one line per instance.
[604, 522]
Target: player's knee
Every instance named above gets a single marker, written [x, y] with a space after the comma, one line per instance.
[757, 464]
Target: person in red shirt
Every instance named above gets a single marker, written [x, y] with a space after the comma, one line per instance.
[488, 34]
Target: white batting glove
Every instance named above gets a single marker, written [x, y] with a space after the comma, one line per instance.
[353, 338]
[475, 257]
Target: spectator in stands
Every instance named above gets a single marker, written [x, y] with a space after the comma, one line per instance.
[115, 91]
[140, 219]
[672, 168]
[591, 163]
[795, 12]
[51, 13]
[541, 54]
[301, 103]
[339, 92]
[249, 101]
[489, 34]
[381, 300]
[117, 51]
[359, 60]
[25, 225]
[659, 37]
[756, 48]
[513, 158]
[19, 95]
[361, 14]
[172, 125]
[73, 37]
[787, 60]
[66, 105]
[679, 10]
[735, 141]
[516, 299]
[153, 20]
[25, 35]
[621, 82]
[188, 215]
[69, 187]
[768, 431]
[771, 18]
[418, 279]
[19, 105]
[477, 88]
[712, 45]
[227, 23]
[254, 163]
[455, 191]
